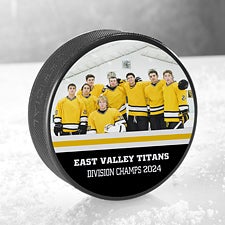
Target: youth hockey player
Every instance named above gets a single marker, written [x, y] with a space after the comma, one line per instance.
[96, 89]
[175, 102]
[115, 94]
[89, 100]
[154, 96]
[105, 119]
[137, 106]
[70, 115]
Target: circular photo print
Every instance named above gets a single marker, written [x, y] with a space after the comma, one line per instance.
[113, 113]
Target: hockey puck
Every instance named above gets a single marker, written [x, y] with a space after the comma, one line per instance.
[107, 116]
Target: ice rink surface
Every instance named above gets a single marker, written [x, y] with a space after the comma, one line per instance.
[195, 194]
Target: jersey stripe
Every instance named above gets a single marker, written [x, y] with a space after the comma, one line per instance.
[70, 126]
[157, 108]
[183, 107]
[138, 108]
[171, 114]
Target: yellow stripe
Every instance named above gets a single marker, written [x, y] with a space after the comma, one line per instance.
[121, 140]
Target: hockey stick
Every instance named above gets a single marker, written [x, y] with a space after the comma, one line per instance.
[178, 125]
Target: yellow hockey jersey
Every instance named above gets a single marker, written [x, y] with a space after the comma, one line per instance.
[175, 101]
[116, 98]
[90, 103]
[98, 120]
[96, 91]
[154, 97]
[137, 105]
[71, 113]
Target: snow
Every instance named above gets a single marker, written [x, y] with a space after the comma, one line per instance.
[195, 194]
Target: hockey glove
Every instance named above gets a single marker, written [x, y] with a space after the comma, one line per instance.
[184, 117]
[120, 81]
[82, 129]
[138, 79]
[58, 128]
[182, 84]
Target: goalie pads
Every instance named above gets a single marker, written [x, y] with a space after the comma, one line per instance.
[118, 128]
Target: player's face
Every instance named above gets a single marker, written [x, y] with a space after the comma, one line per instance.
[168, 78]
[153, 78]
[71, 90]
[113, 82]
[131, 80]
[102, 105]
[86, 90]
[91, 81]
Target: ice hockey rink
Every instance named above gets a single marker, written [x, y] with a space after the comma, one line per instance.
[194, 194]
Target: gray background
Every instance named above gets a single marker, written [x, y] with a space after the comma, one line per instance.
[32, 30]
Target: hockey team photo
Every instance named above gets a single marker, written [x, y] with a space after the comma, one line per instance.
[123, 93]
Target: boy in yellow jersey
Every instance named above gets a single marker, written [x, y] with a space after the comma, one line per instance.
[70, 116]
[90, 101]
[175, 102]
[102, 119]
[137, 106]
[154, 96]
[115, 94]
[96, 89]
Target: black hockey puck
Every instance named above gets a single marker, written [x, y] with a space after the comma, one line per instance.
[107, 116]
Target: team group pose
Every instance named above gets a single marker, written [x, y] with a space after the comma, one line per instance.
[123, 105]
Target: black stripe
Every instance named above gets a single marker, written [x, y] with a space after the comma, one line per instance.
[171, 111]
[156, 110]
[71, 123]
[138, 106]
[138, 111]
[156, 106]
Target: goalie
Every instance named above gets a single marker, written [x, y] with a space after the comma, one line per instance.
[105, 120]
